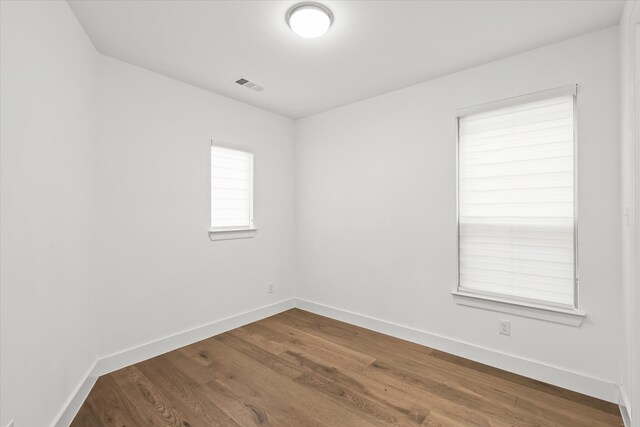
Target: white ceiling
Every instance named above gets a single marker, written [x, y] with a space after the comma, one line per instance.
[373, 46]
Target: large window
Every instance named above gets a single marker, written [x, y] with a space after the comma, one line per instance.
[516, 204]
[231, 188]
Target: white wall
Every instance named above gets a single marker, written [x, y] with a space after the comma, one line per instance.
[376, 206]
[630, 136]
[104, 192]
[634, 302]
[46, 228]
[105, 209]
[159, 273]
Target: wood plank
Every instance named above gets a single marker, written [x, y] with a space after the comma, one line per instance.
[468, 374]
[282, 400]
[184, 393]
[153, 406]
[297, 368]
[304, 354]
[107, 405]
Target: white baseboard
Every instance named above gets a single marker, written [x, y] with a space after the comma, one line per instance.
[151, 349]
[529, 368]
[133, 355]
[74, 402]
[624, 405]
[626, 419]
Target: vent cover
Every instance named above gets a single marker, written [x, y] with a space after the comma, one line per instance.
[249, 84]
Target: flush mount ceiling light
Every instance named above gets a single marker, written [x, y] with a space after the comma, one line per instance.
[309, 20]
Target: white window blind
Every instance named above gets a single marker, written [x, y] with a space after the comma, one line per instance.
[231, 188]
[516, 202]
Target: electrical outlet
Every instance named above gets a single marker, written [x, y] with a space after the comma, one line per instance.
[504, 327]
[270, 288]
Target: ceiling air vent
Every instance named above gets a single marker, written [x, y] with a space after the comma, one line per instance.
[249, 84]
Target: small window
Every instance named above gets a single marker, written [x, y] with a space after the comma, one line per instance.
[231, 188]
[516, 204]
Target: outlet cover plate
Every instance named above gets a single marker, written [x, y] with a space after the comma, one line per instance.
[504, 327]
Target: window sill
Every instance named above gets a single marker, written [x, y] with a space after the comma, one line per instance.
[550, 314]
[232, 234]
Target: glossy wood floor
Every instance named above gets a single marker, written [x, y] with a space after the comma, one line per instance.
[300, 369]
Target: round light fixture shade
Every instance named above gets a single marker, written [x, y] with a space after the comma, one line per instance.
[309, 20]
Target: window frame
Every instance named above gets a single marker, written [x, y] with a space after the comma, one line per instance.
[233, 232]
[494, 301]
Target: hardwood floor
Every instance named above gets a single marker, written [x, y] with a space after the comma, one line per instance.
[301, 369]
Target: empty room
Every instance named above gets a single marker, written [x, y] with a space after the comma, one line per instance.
[329, 213]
